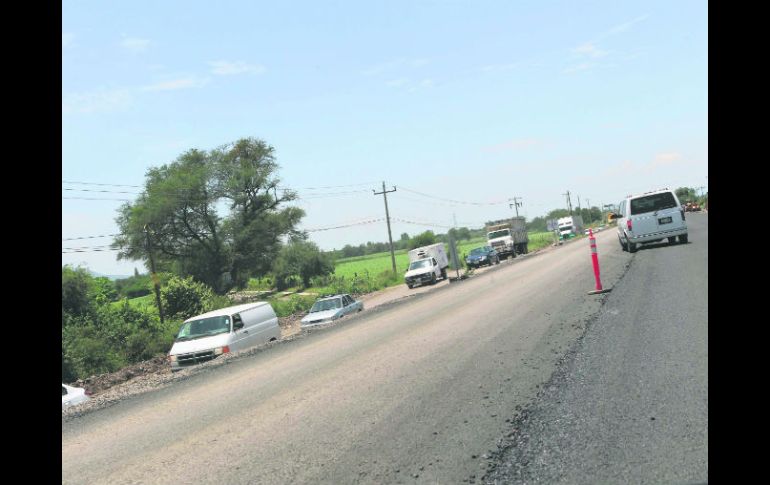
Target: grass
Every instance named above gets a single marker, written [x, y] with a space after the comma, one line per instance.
[146, 302]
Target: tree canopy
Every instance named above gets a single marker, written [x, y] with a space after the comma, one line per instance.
[179, 211]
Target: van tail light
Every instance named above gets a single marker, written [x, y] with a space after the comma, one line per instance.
[629, 225]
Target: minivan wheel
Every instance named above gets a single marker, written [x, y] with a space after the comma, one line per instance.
[632, 247]
[622, 245]
[672, 240]
[433, 279]
[683, 239]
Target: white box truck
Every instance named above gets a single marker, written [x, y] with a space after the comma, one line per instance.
[570, 226]
[426, 265]
[508, 237]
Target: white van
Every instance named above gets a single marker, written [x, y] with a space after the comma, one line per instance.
[230, 329]
[649, 218]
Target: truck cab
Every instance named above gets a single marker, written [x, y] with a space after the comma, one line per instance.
[422, 271]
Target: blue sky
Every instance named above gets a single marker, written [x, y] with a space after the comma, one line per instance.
[475, 102]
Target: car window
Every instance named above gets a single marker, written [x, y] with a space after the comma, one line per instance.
[653, 202]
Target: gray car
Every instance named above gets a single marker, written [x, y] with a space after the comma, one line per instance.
[331, 308]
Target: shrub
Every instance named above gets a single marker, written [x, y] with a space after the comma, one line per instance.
[183, 298]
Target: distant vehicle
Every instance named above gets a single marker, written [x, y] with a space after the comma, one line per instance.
[508, 237]
[426, 265]
[692, 207]
[650, 217]
[483, 255]
[331, 308]
[588, 231]
[71, 396]
[206, 337]
[570, 226]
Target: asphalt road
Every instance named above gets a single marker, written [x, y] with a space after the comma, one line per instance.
[630, 402]
[419, 391]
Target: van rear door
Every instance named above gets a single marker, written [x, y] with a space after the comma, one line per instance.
[654, 213]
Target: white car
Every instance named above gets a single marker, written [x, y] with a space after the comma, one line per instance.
[331, 308]
[71, 396]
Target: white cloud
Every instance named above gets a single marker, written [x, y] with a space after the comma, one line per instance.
[397, 83]
[427, 83]
[67, 39]
[514, 145]
[175, 84]
[96, 101]
[229, 68]
[625, 25]
[664, 160]
[580, 67]
[589, 49]
[393, 65]
[501, 67]
[135, 44]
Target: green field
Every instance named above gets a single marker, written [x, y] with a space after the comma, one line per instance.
[377, 263]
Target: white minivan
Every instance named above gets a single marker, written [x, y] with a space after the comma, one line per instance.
[650, 217]
[218, 332]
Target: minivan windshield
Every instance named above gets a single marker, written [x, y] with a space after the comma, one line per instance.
[204, 327]
[323, 305]
[478, 251]
[423, 263]
[654, 202]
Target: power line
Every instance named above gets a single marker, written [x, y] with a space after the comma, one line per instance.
[89, 237]
[455, 201]
[279, 188]
[359, 223]
[93, 198]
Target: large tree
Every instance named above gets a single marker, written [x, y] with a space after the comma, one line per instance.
[180, 209]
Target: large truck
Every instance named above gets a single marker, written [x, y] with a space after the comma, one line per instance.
[508, 236]
[426, 265]
[570, 226]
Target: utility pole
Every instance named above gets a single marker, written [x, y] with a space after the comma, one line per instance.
[387, 217]
[155, 280]
[588, 202]
[515, 204]
[569, 202]
[579, 204]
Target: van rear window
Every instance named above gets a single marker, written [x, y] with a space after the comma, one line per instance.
[651, 203]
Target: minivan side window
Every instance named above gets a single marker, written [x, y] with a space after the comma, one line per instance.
[237, 322]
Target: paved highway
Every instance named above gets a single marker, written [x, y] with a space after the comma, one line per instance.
[630, 404]
[418, 392]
